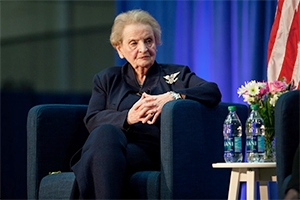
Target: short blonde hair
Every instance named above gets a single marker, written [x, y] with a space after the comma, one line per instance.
[132, 17]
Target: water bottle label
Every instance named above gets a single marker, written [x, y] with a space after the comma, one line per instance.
[251, 144]
[237, 144]
[228, 145]
[260, 144]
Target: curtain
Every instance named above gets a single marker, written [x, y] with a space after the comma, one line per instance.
[221, 41]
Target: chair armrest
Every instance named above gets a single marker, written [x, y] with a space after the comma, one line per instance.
[191, 140]
[54, 133]
[287, 130]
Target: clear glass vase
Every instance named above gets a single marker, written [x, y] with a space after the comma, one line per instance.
[270, 141]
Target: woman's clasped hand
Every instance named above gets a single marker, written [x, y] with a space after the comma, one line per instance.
[147, 108]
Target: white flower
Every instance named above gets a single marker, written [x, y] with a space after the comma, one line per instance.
[262, 84]
[253, 88]
[249, 99]
[242, 90]
[273, 100]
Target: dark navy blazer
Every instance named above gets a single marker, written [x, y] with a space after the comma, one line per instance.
[116, 90]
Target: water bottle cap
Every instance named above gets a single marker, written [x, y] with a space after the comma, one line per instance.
[254, 106]
[231, 108]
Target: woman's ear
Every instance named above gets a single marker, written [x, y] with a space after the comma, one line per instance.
[118, 48]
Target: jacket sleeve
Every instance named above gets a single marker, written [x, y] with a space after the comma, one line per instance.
[197, 89]
[98, 113]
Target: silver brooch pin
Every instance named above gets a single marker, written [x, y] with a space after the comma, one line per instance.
[172, 78]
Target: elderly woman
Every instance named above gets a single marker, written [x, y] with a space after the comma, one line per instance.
[125, 106]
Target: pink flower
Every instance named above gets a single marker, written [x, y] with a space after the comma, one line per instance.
[263, 91]
[276, 86]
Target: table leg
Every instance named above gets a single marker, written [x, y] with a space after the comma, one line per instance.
[264, 176]
[234, 184]
[263, 189]
[251, 190]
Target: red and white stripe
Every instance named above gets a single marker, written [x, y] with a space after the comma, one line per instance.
[284, 43]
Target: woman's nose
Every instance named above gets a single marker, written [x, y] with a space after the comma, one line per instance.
[143, 47]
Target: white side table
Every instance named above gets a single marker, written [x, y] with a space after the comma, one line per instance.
[249, 173]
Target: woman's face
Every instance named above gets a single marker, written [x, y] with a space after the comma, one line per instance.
[138, 46]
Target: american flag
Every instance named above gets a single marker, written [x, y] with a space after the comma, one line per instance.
[284, 43]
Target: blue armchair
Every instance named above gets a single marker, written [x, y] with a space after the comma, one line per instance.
[191, 140]
[287, 131]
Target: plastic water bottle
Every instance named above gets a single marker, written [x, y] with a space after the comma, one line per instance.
[255, 136]
[232, 132]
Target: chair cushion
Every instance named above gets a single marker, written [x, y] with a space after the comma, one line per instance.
[143, 185]
[56, 186]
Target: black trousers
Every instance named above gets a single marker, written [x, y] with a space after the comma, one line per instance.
[108, 159]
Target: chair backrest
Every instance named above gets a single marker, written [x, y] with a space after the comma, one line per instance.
[54, 133]
[287, 122]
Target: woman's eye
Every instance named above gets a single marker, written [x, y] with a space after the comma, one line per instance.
[133, 44]
[149, 41]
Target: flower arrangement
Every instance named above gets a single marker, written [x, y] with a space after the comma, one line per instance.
[265, 94]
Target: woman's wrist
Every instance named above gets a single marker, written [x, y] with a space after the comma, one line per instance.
[175, 95]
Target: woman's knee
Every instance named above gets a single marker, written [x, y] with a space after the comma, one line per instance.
[106, 136]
